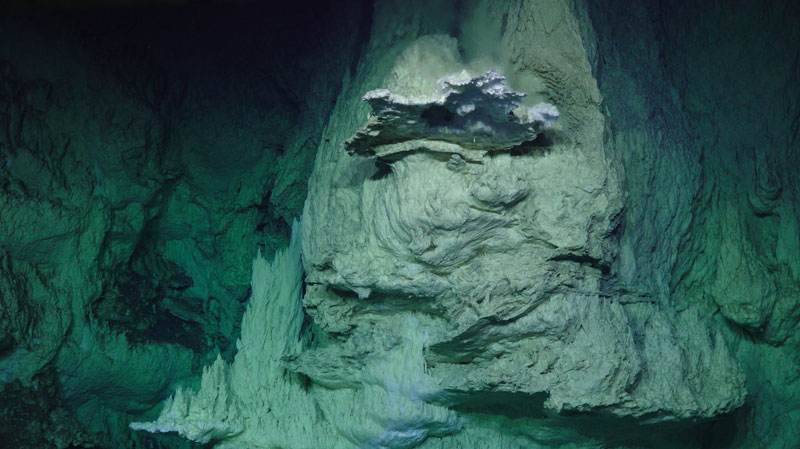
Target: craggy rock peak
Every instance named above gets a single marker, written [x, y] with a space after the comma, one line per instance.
[506, 264]
[546, 227]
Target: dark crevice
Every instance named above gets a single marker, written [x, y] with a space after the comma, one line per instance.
[543, 142]
[582, 259]
[511, 405]
[437, 116]
[382, 169]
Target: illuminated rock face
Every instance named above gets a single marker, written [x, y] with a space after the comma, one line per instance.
[447, 285]
[552, 224]
[504, 257]
[255, 402]
[526, 291]
[141, 168]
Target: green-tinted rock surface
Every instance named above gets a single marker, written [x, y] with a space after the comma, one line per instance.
[626, 276]
[147, 154]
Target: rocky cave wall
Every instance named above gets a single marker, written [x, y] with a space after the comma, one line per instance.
[148, 153]
[629, 278]
[715, 150]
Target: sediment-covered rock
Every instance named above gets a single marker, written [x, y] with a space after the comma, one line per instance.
[138, 177]
[507, 256]
[529, 224]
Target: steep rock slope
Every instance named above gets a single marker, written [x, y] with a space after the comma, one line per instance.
[716, 219]
[508, 258]
[622, 273]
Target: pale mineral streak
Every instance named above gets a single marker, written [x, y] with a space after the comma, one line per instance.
[256, 402]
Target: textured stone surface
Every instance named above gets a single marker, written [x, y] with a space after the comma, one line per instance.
[500, 276]
[146, 155]
[626, 277]
[717, 233]
[508, 259]
[256, 402]
[253, 389]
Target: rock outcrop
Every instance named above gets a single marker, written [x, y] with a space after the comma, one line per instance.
[471, 116]
[452, 280]
[505, 257]
[552, 224]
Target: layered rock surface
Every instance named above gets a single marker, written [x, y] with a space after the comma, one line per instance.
[495, 275]
[508, 258]
[623, 274]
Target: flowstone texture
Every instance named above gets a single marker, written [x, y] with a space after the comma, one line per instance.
[552, 224]
[507, 257]
[459, 297]
[256, 402]
[721, 233]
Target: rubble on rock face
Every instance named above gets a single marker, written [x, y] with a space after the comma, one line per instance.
[471, 117]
